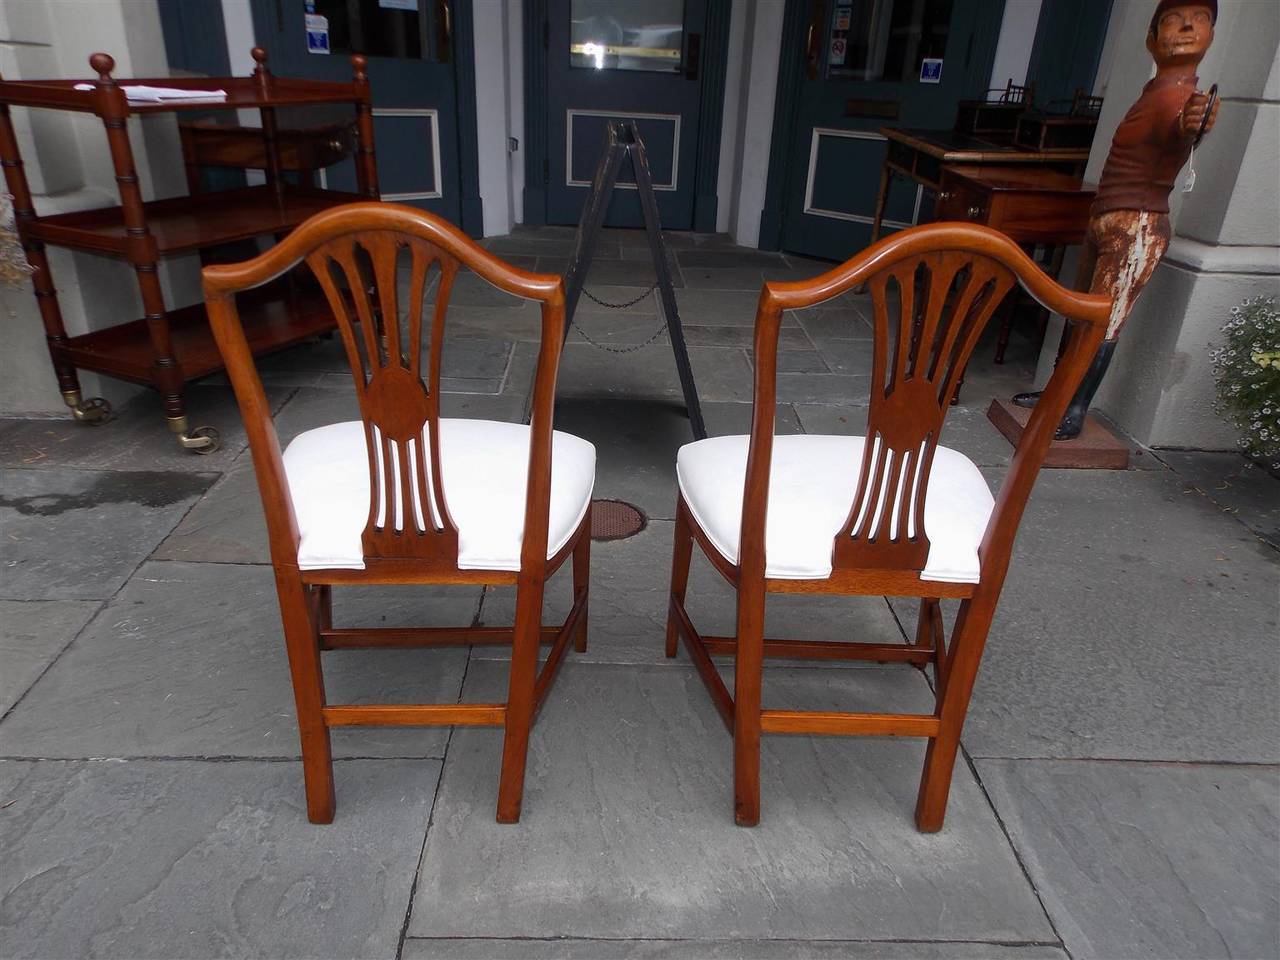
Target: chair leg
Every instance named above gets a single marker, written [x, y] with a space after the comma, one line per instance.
[524, 673]
[963, 656]
[681, 554]
[303, 645]
[582, 580]
[748, 677]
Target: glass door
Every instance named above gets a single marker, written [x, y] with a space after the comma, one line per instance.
[409, 44]
[869, 63]
[621, 59]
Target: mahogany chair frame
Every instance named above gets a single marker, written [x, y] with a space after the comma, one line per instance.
[397, 401]
[873, 555]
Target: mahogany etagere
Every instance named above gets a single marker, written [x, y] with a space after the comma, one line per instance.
[167, 348]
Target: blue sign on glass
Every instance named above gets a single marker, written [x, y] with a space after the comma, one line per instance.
[930, 71]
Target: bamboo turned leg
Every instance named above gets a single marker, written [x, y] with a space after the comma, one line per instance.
[520, 699]
[968, 639]
[682, 553]
[302, 640]
[582, 579]
[92, 411]
[748, 676]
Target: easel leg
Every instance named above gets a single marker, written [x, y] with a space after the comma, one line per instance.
[661, 266]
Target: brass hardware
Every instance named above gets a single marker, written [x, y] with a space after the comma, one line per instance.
[974, 212]
[202, 440]
[945, 195]
[95, 411]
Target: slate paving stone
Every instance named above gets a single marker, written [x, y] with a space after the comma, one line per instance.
[801, 361]
[724, 418]
[1148, 860]
[484, 323]
[32, 634]
[627, 826]
[720, 373]
[472, 290]
[630, 583]
[846, 322]
[79, 534]
[190, 859]
[618, 328]
[789, 338]
[737, 257]
[189, 661]
[137, 438]
[1137, 622]
[966, 429]
[822, 388]
[225, 526]
[1247, 492]
[623, 273]
[725, 278]
[561, 949]
[735, 308]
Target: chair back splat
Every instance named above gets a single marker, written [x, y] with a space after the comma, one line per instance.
[359, 273]
[928, 312]
[933, 290]
[387, 272]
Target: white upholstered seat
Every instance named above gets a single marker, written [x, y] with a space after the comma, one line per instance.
[811, 489]
[485, 465]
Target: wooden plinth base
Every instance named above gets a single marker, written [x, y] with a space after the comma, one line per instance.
[1097, 447]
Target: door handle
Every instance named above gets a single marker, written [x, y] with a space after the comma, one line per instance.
[692, 56]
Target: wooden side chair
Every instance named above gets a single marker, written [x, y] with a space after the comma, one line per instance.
[404, 496]
[890, 513]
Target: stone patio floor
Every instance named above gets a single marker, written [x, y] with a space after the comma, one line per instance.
[1118, 795]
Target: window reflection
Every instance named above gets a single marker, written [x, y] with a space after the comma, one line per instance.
[885, 39]
[626, 35]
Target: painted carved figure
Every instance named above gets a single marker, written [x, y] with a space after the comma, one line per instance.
[1128, 230]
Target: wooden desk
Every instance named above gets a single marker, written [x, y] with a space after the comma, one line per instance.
[1030, 204]
[920, 155]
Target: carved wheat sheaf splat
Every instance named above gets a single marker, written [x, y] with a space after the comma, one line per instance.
[929, 311]
[360, 274]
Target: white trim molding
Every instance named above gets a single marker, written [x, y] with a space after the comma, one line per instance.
[569, 180]
[433, 115]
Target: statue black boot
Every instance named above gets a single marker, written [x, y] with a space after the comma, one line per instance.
[1073, 421]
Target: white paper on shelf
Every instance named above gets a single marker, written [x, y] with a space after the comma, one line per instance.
[140, 93]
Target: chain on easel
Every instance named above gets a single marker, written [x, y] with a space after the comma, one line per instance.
[630, 348]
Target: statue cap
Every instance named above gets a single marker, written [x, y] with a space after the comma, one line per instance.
[1164, 5]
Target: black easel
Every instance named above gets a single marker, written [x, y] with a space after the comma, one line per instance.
[622, 140]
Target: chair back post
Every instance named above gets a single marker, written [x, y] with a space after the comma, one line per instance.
[1087, 330]
[264, 442]
[362, 243]
[964, 271]
[755, 495]
[533, 546]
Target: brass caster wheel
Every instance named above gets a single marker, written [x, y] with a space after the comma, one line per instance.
[202, 440]
[95, 411]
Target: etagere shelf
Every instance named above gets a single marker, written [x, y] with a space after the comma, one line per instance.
[167, 348]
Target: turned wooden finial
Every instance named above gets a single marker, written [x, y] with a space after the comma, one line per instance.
[358, 64]
[259, 55]
[102, 64]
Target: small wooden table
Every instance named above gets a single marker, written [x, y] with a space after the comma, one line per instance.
[920, 155]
